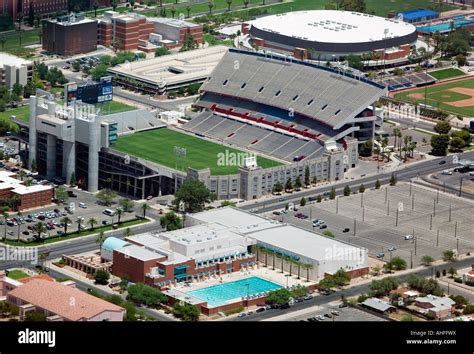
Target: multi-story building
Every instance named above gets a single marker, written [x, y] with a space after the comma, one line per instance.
[133, 31]
[26, 197]
[14, 70]
[44, 7]
[68, 35]
[9, 8]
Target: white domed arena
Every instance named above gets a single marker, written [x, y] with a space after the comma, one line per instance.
[330, 34]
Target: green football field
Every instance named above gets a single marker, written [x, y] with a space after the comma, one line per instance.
[444, 97]
[158, 146]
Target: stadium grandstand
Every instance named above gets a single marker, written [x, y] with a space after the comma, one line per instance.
[407, 81]
[283, 107]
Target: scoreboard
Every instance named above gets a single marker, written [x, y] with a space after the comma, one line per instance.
[91, 93]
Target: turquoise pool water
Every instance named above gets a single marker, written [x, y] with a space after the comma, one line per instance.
[218, 295]
[445, 27]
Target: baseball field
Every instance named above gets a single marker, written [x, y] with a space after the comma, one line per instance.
[455, 97]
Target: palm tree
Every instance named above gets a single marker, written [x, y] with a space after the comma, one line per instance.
[307, 266]
[229, 3]
[396, 131]
[272, 253]
[40, 228]
[92, 222]
[210, 5]
[246, 3]
[188, 10]
[127, 232]
[19, 214]
[290, 262]
[65, 221]
[406, 140]
[145, 207]
[5, 217]
[100, 238]
[79, 222]
[119, 215]
[384, 144]
[298, 263]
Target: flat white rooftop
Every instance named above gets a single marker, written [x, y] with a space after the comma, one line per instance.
[173, 22]
[331, 26]
[174, 68]
[22, 190]
[11, 60]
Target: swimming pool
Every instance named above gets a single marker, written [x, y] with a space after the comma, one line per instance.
[221, 294]
[445, 27]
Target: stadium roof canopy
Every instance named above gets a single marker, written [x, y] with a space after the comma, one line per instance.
[313, 91]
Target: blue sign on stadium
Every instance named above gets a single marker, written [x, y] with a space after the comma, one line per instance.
[95, 93]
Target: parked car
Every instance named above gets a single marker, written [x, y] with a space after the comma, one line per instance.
[346, 230]
[323, 226]
[391, 249]
[83, 205]
[261, 309]
[380, 255]
[343, 305]
[409, 237]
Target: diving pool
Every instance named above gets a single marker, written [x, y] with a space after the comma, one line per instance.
[221, 294]
[445, 27]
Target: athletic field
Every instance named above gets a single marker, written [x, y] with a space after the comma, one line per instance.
[456, 97]
[158, 146]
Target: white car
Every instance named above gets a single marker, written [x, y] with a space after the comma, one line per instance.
[409, 237]
[447, 172]
[83, 205]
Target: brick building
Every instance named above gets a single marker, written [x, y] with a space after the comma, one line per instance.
[27, 196]
[133, 31]
[43, 7]
[70, 35]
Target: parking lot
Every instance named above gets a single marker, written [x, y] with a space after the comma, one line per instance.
[333, 313]
[377, 227]
[52, 219]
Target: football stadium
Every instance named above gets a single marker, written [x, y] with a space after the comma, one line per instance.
[283, 115]
[330, 34]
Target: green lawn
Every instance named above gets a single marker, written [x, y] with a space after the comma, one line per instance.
[447, 73]
[17, 274]
[13, 39]
[438, 96]
[23, 112]
[209, 38]
[158, 146]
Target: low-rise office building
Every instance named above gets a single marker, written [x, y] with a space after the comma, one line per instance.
[16, 195]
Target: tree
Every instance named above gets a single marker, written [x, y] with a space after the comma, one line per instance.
[119, 213]
[185, 311]
[61, 194]
[101, 277]
[100, 238]
[442, 127]
[427, 260]
[341, 278]
[17, 89]
[384, 286]
[229, 3]
[288, 185]
[188, 10]
[298, 183]
[127, 232]
[332, 194]
[278, 297]
[351, 5]
[326, 283]
[92, 222]
[42, 70]
[355, 61]
[106, 196]
[65, 221]
[377, 184]
[76, 66]
[123, 284]
[303, 201]
[328, 233]
[35, 316]
[114, 5]
[99, 71]
[393, 180]
[439, 144]
[40, 228]
[171, 221]
[362, 188]
[194, 194]
[95, 6]
[398, 263]
[461, 59]
[347, 191]
[161, 51]
[277, 188]
[173, 11]
[79, 223]
[210, 4]
[145, 295]
[246, 3]
[452, 271]
[127, 205]
[456, 144]
[144, 208]
[365, 149]
[307, 176]
[464, 134]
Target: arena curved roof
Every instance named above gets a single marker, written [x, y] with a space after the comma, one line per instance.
[299, 87]
[326, 29]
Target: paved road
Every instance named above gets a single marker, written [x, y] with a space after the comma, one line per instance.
[321, 300]
[416, 170]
